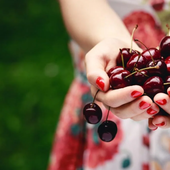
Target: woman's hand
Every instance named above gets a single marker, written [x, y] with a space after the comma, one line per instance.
[126, 102]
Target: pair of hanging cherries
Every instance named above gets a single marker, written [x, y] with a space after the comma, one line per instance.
[107, 130]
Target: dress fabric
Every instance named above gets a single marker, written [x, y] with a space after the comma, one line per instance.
[76, 144]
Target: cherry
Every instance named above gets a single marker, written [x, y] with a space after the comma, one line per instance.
[167, 62]
[153, 85]
[114, 70]
[165, 46]
[151, 52]
[136, 61]
[107, 131]
[92, 112]
[120, 79]
[127, 53]
[140, 77]
[160, 70]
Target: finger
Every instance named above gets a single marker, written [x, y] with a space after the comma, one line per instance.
[150, 112]
[151, 125]
[119, 97]
[161, 121]
[134, 108]
[163, 100]
[168, 91]
[96, 61]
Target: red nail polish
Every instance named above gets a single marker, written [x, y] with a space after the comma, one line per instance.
[150, 111]
[144, 105]
[136, 94]
[160, 124]
[100, 83]
[161, 102]
[168, 92]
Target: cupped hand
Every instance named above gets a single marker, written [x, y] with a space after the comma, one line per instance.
[127, 102]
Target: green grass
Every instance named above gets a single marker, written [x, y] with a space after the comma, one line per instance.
[35, 74]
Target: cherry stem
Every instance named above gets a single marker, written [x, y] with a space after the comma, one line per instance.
[108, 113]
[136, 62]
[147, 68]
[147, 49]
[167, 83]
[95, 95]
[168, 34]
[132, 37]
[123, 63]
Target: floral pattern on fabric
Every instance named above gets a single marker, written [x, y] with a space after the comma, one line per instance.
[98, 151]
[69, 142]
[148, 31]
[158, 5]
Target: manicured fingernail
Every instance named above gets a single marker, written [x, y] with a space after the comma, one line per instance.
[150, 111]
[160, 124]
[168, 92]
[100, 83]
[136, 94]
[161, 102]
[144, 105]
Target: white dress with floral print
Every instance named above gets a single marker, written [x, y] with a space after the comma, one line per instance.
[76, 144]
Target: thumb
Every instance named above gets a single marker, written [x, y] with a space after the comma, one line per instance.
[95, 71]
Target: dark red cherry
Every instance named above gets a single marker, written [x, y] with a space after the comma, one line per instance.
[119, 79]
[92, 113]
[140, 77]
[161, 69]
[151, 52]
[136, 61]
[167, 62]
[107, 131]
[114, 70]
[127, 53]
[165, 46]
[153, 85]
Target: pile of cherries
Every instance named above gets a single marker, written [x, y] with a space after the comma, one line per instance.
[149, 69]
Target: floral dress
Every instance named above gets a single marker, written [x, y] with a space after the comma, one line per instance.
[76, 144]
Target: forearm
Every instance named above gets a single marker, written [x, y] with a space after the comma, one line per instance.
[90, 21]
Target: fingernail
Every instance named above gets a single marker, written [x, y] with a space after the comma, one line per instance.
[144, 105]
[161, 102]
[100, 83]
[160, 124]
[150, 111]
[136, 94]
[168, 92]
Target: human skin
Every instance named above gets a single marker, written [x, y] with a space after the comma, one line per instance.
[101, 33]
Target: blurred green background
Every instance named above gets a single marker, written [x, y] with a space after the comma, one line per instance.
[35, 74]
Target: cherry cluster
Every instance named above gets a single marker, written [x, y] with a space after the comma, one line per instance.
[150, 69]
